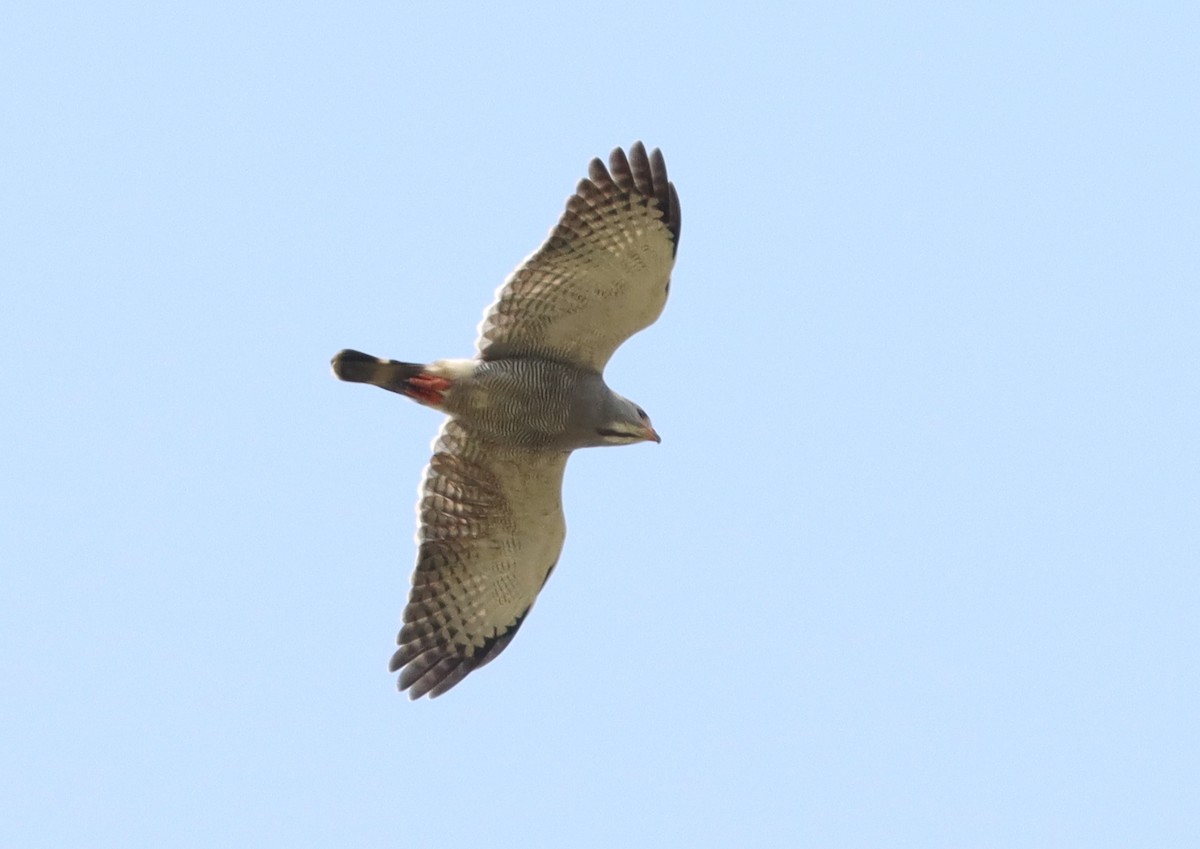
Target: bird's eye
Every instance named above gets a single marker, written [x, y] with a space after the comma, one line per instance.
[642, 413]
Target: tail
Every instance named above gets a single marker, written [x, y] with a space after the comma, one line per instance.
[357, 367]
[409, 379]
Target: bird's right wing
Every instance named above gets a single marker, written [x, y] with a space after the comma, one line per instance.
[491, 530]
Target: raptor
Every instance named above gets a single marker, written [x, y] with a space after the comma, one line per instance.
[490, 518]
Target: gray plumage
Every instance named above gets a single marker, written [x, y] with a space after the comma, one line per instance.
[490, 513]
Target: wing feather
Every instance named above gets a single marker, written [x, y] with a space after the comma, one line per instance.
[601, 276]
[491, 529]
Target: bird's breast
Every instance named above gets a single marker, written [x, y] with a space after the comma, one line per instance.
[524, 402]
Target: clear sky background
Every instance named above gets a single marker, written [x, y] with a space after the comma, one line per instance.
[916, 563]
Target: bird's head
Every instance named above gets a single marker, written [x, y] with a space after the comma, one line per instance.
[624, 424]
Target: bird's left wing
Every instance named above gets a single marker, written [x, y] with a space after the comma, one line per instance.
[602, 275]
[491, 530]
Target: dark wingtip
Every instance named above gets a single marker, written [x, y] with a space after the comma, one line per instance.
[672, 218]
[431, 668]
[650, 174]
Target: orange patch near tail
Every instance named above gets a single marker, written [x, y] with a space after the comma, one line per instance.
[427, 389]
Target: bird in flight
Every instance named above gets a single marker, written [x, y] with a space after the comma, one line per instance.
[490, 516]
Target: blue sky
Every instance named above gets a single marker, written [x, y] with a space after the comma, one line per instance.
[915, 564]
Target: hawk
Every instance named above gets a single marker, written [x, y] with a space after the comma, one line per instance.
[490, 513]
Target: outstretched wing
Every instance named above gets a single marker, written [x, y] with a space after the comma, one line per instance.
[602, 275]
[491, 530]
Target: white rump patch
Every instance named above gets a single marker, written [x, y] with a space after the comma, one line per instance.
[452, 369]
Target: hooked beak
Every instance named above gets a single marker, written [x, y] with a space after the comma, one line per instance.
[651, 435]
